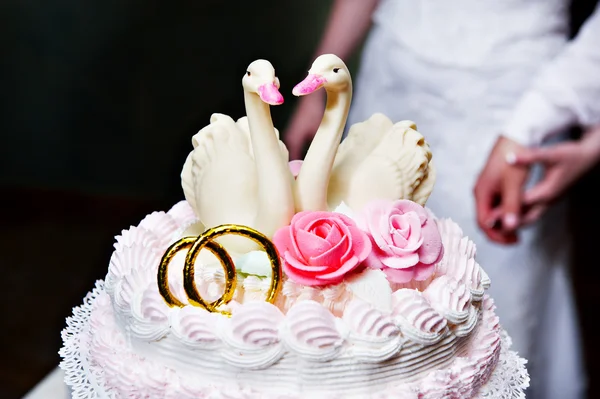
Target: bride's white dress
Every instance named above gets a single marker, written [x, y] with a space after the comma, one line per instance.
[466, 71]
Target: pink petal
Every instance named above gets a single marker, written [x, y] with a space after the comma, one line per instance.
[351, 264]
[399, 275]
[310, 245]
[299, 265]
[300, 278]
[401, 262]
[282, 239]
[334, 255]
[423, 272]
[432, 249]
[361, 244]
[405, 206]
[373, 260]
[335, 235]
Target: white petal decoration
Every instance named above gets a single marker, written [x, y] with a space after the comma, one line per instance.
[254, 263]
[372, 286]
[311, 331]
[416, 318]
[344, 210]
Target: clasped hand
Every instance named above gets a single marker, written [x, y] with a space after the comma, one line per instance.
[503, 205]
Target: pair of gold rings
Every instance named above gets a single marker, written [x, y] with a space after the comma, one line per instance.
[207, 239]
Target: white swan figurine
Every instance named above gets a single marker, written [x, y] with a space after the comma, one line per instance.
[378, 159]
[238, 172]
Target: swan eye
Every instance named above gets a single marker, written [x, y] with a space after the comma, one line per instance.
[248, 73]
[336, 70]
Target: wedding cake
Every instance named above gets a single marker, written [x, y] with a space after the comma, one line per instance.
[326, 278]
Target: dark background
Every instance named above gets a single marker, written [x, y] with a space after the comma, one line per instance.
[99, 100]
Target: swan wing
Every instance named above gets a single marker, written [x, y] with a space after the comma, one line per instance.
[397, 168]
[219, 175]
[362, 139]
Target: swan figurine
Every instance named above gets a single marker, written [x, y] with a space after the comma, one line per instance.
[378, 159]
[238, 171]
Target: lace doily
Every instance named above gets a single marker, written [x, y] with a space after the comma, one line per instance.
[508, 380]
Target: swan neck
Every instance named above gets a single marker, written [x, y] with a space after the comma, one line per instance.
[313, 180]
[275, 199]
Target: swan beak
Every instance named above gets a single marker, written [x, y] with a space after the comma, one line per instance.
[310, 84]
[295, 167]
[270, 94]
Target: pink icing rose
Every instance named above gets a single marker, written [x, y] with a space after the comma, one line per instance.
[406, 241]
[320, 248]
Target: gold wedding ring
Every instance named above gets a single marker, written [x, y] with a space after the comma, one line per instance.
[195, 245]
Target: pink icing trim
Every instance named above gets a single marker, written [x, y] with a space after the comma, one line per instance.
[118, 369]
[270, 94]
[309, 85]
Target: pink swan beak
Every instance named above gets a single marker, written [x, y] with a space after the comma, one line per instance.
[270, 94]
[295, 166]
[310, 84]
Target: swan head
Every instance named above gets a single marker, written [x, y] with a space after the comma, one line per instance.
[327, 71]
[260, 78]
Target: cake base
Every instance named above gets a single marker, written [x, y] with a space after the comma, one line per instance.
[508, 380]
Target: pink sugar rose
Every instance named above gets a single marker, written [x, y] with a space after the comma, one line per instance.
[406, 241]
[320, 248]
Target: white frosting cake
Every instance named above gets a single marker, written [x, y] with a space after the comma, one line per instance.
[347, 288]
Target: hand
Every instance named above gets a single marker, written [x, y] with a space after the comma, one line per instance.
[564, 164]
[498, 192]
[304, 124]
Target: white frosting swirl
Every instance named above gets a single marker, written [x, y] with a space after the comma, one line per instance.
[183, 213]
[195, 327]
[374, 335]
[459, 259]
[311, 331]
[366, 321]
[126, 289]
[137, 235]
[163, 225]
[135, 256]
[150, 314]
[450, 298]
[252, 335]
[417, 319]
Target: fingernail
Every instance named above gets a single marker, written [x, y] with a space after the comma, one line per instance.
[510, 220]
[510, 158]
